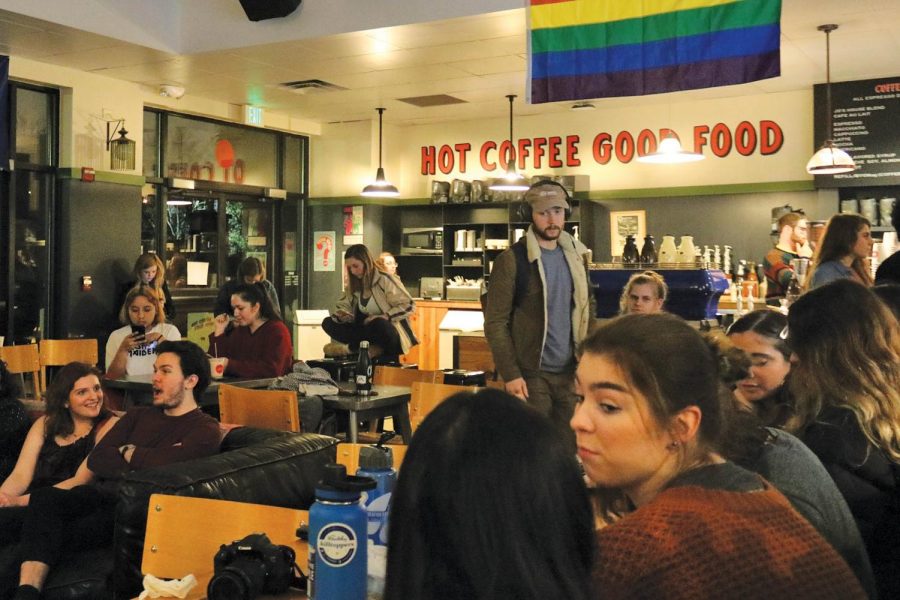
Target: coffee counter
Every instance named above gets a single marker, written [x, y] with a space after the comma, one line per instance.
[425, 324]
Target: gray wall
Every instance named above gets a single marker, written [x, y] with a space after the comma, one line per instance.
[100, 235]
[742, 221]
[325, 286]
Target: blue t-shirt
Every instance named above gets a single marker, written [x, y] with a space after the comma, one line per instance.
[557, 354]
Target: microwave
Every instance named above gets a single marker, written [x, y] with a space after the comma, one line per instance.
[422, 240]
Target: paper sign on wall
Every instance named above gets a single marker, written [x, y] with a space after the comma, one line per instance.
[353, 220]
[324, 250]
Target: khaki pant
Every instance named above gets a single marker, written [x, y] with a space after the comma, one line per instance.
[553, 394]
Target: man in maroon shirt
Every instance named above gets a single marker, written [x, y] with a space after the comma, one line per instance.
[172, 430]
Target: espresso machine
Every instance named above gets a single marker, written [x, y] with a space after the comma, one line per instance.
[693, 292]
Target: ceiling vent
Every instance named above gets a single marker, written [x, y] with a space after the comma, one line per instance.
[435, 100]
[310, 86]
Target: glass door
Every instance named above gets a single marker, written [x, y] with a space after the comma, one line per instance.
[250, 229]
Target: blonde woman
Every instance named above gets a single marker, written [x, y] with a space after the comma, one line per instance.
[645, 293]
[149, 270]
[846, 388]
[131, 350]
[375, 307]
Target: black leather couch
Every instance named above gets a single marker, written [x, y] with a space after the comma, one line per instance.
[255, 465]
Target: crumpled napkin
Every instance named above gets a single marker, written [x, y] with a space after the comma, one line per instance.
[155, 587]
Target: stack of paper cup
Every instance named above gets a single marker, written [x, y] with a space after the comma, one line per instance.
[888, 244]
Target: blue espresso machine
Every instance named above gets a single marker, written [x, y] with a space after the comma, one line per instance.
[693, 293]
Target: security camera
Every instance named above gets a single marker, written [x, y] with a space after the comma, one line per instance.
[171, 91]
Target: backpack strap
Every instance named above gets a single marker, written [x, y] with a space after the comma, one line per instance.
[522, 270]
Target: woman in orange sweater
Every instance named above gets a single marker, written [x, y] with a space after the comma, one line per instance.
[685, 522]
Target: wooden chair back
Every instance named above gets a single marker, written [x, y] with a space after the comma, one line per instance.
[183, 534]
[348, 455]
[272, 409]
[426, 396]
[24, 360]
[385, 375]
[58, 353]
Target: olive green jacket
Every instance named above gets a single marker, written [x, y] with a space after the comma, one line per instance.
[516, 330]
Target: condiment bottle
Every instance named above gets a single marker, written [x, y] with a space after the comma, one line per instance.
[630, 255]
[686, 254]
[648, 252]
[667, 251]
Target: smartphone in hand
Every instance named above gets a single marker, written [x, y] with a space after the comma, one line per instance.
[139, 332]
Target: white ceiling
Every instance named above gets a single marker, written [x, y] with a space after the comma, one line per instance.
[478, 59]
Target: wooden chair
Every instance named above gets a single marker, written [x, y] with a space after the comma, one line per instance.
[426, 396]
[348, 455]
[183, 534]
[58, 353]
[24, 360]
[386, 375]
[273, 409]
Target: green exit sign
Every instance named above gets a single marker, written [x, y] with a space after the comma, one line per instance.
[253, 115]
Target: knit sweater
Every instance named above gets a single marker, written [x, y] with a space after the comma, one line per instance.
[267, 352]
[691, 542]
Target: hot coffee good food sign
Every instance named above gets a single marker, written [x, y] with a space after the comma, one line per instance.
[717, 140]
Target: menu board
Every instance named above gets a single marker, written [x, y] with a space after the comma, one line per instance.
[866, 114]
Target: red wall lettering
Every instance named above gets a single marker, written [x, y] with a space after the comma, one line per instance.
[428, 160]
[524, 145]
[601, 147]
[553, 159]
[624, 147]
[238, 171]
[720, 140]
[646, 142]
[483, 158]
[771, 138]
[445, 159]
[572, 159]
[540, 144]
[745, 138]
[461, 151]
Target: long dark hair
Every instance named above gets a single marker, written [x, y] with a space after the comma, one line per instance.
[255, 293]
[361, 253]
[847, 344]
[837, 242]
[490, 504]
[59, 418]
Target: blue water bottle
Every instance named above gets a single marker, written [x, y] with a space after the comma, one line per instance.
[337, 537]
[377, 463]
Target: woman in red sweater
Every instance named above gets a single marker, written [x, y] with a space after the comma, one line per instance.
[685, 522]
[257, 343]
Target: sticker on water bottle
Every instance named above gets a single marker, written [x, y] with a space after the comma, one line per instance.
[336, 544]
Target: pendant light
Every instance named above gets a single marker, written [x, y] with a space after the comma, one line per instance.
[512, 181]
[829, 160]
[381, 187]
[670, 152]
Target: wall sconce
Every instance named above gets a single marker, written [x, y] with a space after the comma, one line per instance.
[121, 150]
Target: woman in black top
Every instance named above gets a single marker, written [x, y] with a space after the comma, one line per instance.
[57, 444]
[846, 389]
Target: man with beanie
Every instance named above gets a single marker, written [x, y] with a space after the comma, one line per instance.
[535, 319]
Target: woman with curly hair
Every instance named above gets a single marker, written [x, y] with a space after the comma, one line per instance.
[843, 252]
[846, 389]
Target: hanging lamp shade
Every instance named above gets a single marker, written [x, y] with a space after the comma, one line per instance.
[381, 187]
[670, 152]
[829, 159]
[512, 181]
[121, 150]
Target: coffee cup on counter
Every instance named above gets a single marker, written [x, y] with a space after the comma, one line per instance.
[217, 367]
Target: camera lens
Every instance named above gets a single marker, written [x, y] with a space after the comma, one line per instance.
[241, 580]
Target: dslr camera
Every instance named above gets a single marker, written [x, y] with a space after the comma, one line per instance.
[249, 567]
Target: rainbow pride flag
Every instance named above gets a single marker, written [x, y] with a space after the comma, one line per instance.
[601, 48]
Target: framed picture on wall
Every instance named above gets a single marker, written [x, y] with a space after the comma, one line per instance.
[623, 223]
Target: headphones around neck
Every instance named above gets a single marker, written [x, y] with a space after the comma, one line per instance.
[523, 209]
